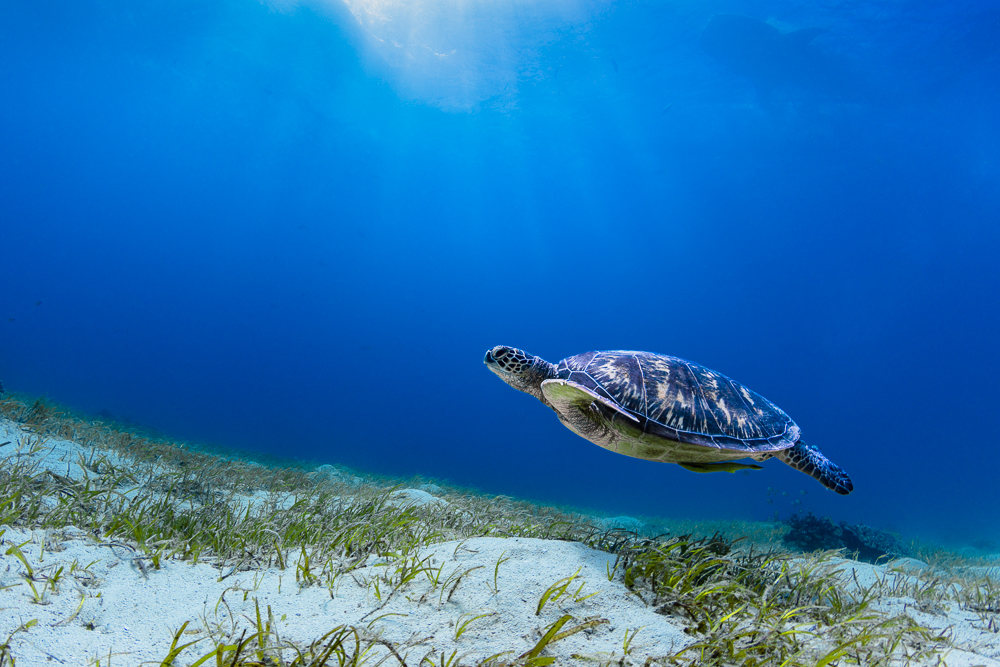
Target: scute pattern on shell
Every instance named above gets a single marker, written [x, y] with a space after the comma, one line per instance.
[684, 401]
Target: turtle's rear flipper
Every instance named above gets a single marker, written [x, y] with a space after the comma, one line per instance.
[720, 466]
[809, 460]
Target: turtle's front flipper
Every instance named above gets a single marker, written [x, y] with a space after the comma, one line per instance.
[565, 395]
[587, 413]
[719, 466]
[808, 459]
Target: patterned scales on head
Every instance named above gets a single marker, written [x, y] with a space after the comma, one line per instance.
[704, 414]
[662, 408]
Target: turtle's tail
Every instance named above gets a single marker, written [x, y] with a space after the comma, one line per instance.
[806, 458]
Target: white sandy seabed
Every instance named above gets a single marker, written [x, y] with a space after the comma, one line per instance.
[116, 613]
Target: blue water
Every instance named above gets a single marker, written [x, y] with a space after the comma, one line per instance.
[297, 228]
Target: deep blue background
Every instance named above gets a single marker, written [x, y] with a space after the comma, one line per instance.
[263, 227]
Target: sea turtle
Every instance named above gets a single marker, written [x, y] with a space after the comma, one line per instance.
[661, 408]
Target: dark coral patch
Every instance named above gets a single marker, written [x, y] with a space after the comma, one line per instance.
[812, 533]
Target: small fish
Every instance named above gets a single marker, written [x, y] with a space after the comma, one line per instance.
[38, 303]
[615, 65]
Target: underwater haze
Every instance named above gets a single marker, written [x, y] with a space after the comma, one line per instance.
[295, 228]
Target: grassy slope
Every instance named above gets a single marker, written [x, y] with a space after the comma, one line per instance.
[740, 603]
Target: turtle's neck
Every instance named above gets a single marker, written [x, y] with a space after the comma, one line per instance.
[540, 371]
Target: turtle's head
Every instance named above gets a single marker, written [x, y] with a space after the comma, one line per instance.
[519, 369]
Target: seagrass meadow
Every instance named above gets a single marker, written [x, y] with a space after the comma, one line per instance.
[119, 548]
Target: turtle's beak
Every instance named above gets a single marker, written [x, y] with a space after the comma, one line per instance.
[488, 359]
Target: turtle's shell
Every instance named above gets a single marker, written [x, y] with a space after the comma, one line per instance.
[683, 401]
